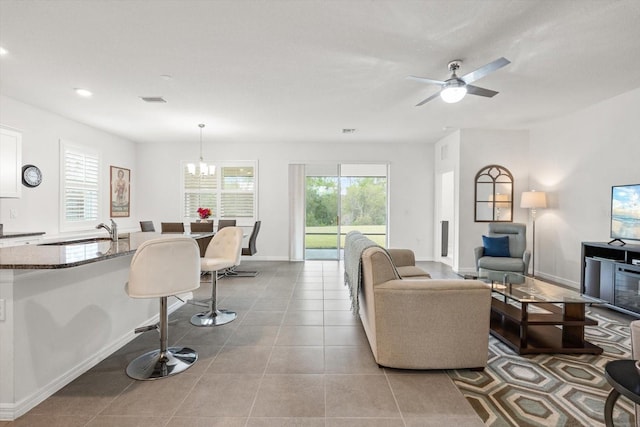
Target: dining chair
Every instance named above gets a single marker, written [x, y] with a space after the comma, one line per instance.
[147, 226]
[250, 250]
[226, 223]
[201, 227]
[172, 227]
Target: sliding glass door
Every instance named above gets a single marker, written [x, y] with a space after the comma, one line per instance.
[340, 198]
[322, 189]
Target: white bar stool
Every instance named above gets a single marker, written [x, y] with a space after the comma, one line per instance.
[223, 252]
[160, 268]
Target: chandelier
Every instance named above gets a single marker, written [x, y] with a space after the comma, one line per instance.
[202, 167]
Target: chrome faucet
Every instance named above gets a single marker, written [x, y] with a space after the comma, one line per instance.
[113, 230]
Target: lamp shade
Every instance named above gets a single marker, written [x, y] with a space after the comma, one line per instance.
[533, 199]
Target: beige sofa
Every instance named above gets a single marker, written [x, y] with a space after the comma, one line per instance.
[421, 323]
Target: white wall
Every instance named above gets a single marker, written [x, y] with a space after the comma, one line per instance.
[410, 180]
[480, 148]
[577, 159]
[155, 178]
[39, 208]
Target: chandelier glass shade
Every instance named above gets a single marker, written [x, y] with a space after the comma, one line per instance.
[201, 168]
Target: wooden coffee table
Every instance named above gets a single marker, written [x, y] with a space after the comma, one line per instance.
[532, 316]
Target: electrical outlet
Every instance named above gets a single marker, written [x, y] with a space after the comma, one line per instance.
[3, 308]
[13, 214]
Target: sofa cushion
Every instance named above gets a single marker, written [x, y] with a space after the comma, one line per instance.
[496, 246]
[411, 271]
[501, 263]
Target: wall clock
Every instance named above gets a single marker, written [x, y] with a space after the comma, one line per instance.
[31, 176]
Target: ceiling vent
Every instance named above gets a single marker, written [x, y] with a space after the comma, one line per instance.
[153, 99]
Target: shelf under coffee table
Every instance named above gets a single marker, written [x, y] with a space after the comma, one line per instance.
[532, 316]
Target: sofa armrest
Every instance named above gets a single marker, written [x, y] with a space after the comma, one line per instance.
[402, 257]
[479, 253]
[430, 324]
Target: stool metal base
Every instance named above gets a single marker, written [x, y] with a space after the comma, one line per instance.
[239, 273]
[213, 318]
[154, 365]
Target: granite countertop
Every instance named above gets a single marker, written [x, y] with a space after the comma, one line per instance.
[72, 253]
[11, 234]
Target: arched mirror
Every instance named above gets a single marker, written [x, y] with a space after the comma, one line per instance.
[494, 194]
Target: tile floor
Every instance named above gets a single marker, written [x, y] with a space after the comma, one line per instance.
[295, 356]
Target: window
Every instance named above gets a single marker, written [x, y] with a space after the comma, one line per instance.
[80, 186]
[228, 189]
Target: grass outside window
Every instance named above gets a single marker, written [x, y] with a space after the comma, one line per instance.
[325, 237]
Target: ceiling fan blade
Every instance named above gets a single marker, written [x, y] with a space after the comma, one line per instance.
[475, 90]
[484, 70]
[426, 80]
[435, 95]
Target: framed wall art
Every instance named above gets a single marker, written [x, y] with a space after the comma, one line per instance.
[120, 205]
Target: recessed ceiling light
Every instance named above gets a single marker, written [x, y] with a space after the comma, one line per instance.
[3, 51]
[83, 92]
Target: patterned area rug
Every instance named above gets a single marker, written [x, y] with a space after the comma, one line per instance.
[549, 389]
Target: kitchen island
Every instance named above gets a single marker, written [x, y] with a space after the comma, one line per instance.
[63, 309]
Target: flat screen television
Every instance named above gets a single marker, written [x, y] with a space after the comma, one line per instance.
[625, 212]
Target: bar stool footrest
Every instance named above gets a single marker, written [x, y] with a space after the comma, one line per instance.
[142, 329]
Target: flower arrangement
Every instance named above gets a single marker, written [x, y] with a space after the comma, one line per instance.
[204, 213]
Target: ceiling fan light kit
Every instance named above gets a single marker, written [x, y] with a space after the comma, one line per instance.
[453, 93]
[455, 88]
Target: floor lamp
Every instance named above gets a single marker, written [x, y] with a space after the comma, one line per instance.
[533, 200]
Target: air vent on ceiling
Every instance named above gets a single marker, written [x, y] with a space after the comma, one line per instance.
[153, 99]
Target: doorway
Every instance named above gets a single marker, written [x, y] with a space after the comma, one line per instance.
[447, 225]
[340, 198]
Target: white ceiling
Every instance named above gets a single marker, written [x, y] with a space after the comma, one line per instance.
[304, 70]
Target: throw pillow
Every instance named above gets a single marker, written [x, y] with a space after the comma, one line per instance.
[496, 246]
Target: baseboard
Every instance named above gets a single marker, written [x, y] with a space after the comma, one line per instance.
[264, 258]
[465, 271]
[558, 280]
[9, 412]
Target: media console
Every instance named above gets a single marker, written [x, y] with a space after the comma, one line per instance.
[612, 273]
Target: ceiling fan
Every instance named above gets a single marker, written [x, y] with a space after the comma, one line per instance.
[455, 88]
